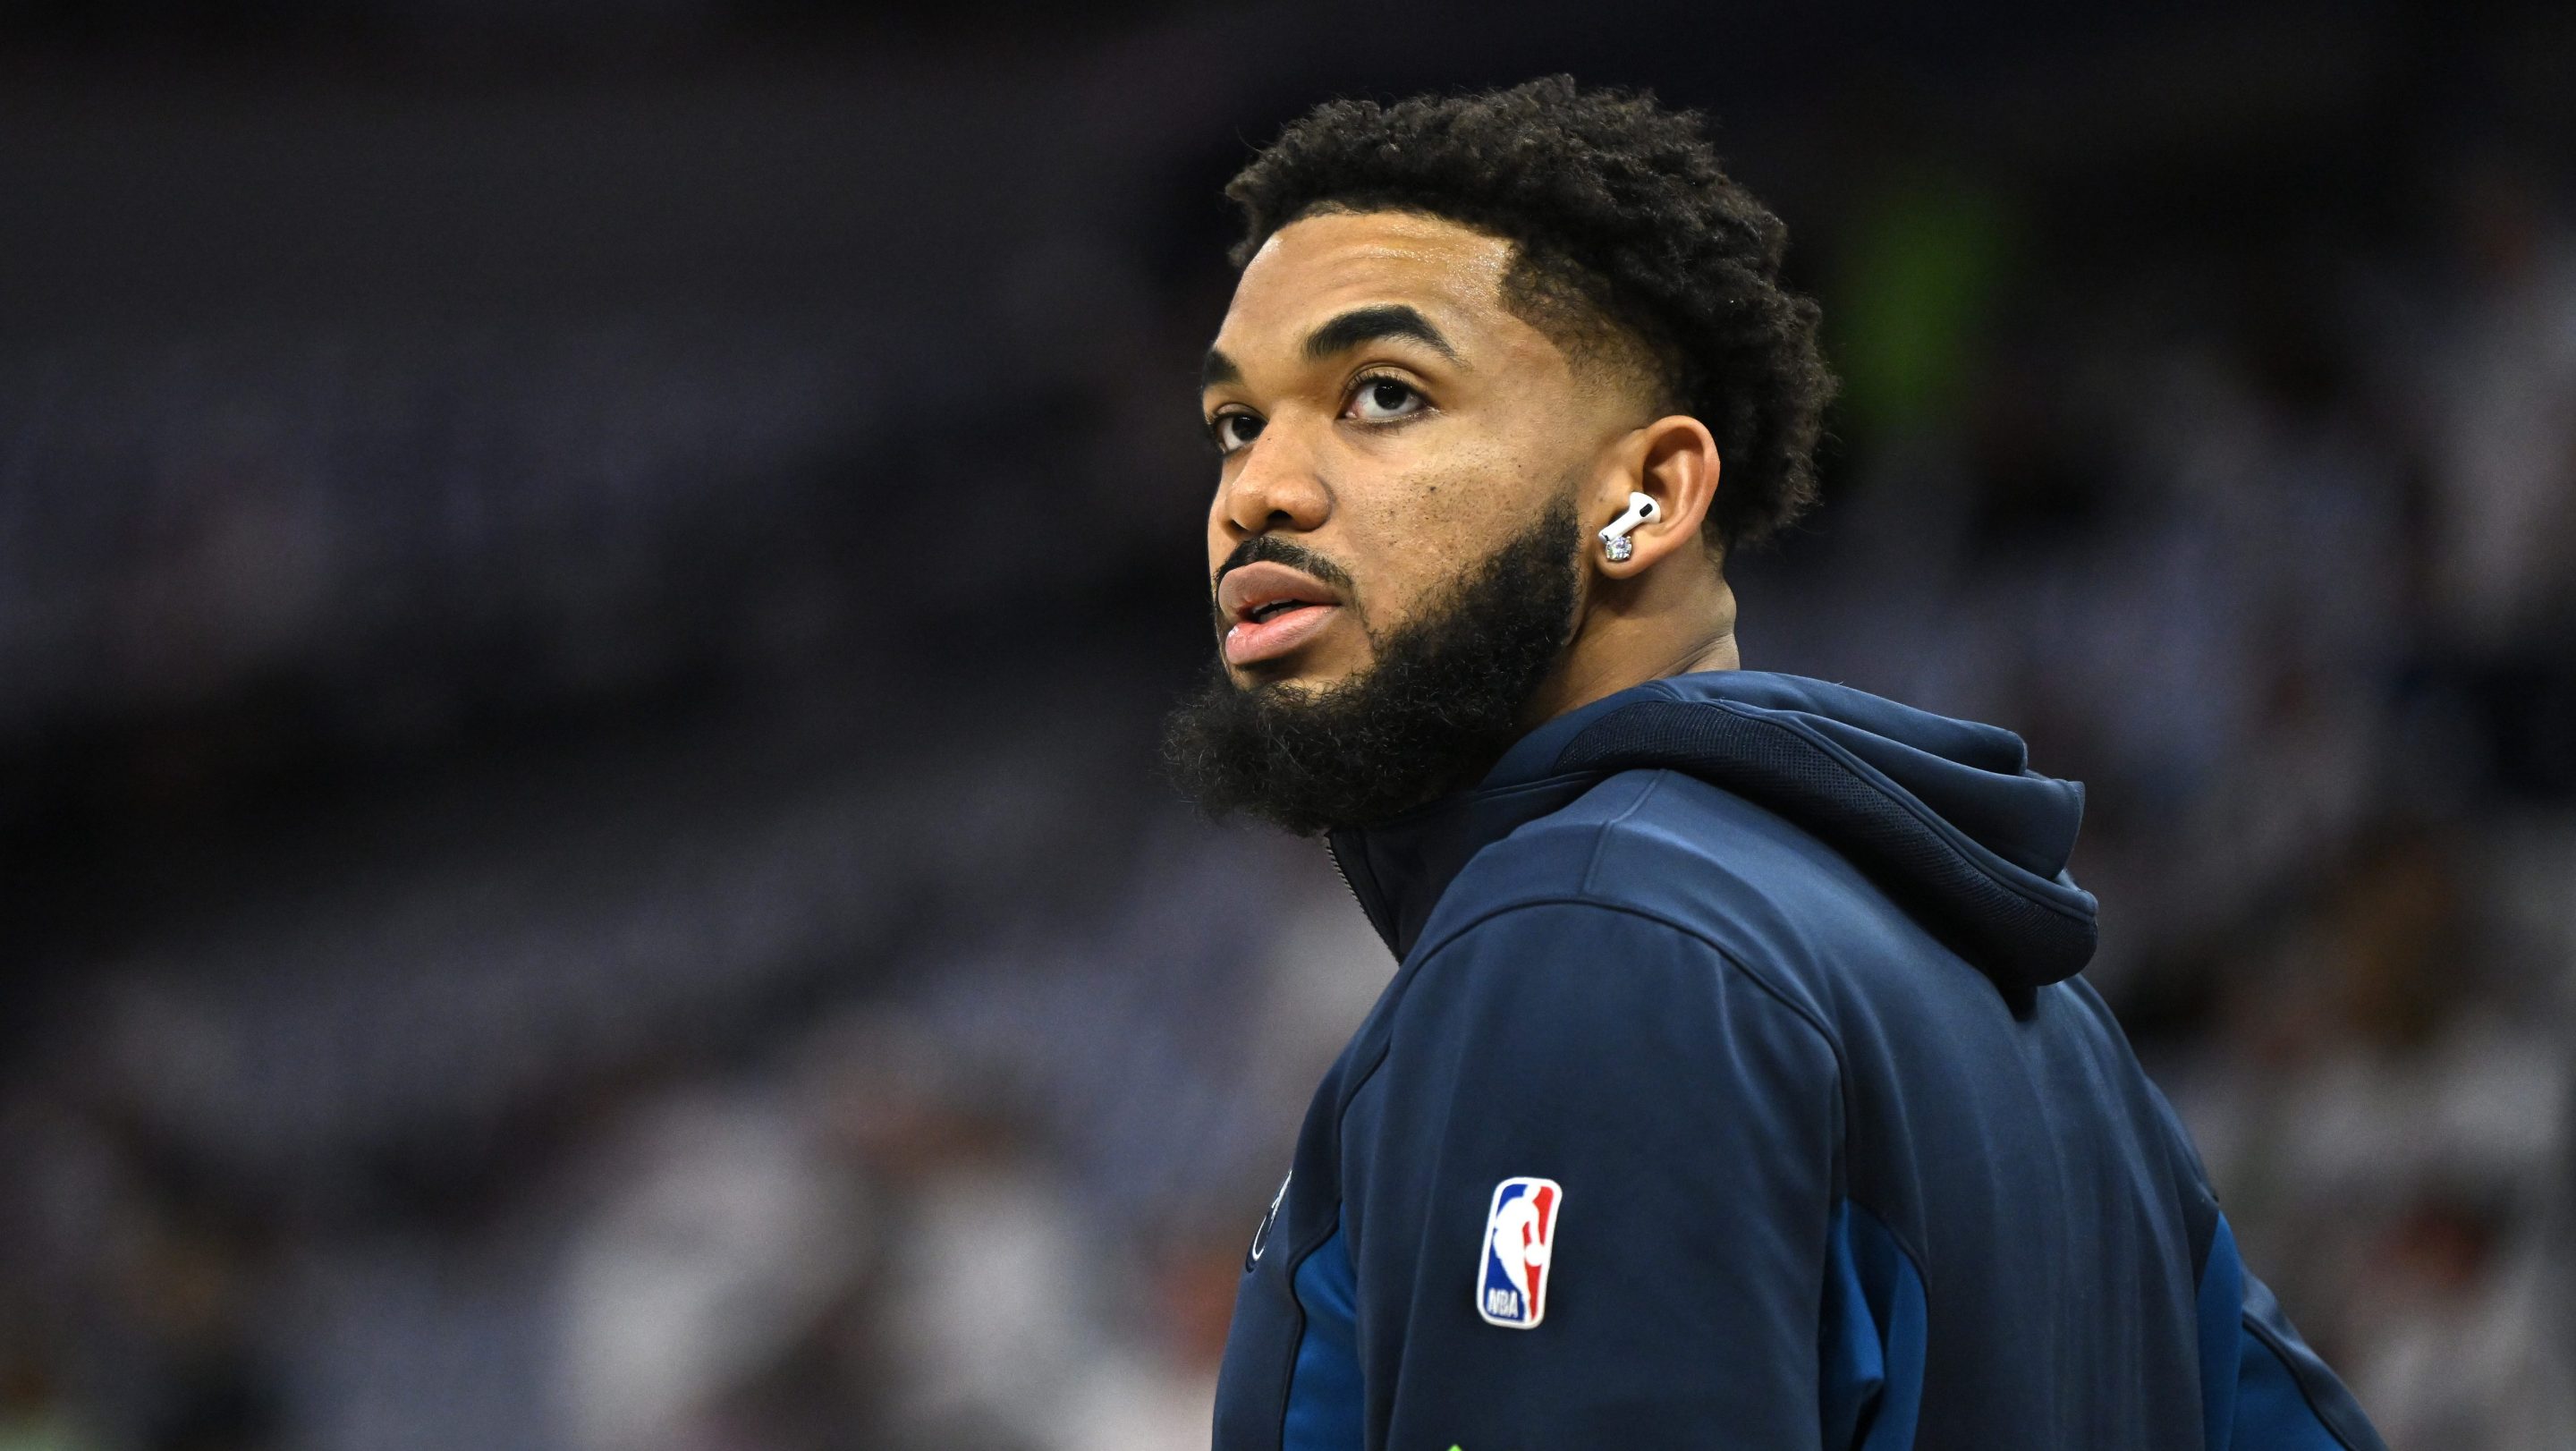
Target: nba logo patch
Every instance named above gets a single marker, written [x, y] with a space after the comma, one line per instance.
[1520, 1239]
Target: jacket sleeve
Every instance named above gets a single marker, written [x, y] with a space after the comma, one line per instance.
[2262, 1388]
[1688, 1118]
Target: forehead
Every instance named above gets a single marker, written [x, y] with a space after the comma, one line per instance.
[1324, 265]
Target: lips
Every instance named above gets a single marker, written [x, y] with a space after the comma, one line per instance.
[1275, 609]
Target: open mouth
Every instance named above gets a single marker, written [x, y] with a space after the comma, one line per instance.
[1274, 609]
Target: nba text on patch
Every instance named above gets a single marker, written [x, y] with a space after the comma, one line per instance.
[1520, 1237]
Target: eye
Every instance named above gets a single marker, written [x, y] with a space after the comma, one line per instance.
[1234, 430]
[1383, 400]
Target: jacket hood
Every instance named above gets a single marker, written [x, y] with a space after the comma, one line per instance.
[1945, 815]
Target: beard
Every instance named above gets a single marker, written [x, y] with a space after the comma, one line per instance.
[1445, 698]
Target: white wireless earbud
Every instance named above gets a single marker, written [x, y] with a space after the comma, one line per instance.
[1615, 542]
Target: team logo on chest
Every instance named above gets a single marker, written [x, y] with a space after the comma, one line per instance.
[1520, 1240]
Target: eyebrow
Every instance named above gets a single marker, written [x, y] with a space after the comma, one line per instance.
[1340, 335]
[1368, 324]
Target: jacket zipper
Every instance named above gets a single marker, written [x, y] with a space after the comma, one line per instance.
[1340, 871]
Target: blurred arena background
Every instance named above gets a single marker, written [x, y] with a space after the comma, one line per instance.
[585, 591]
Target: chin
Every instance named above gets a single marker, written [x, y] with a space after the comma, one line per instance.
[1287, 678]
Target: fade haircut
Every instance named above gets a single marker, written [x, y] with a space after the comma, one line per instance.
[1632, 249]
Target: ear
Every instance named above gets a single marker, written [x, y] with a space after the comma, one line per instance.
[1673, 461]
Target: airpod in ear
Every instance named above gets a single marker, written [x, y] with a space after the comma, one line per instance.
[1616, 546]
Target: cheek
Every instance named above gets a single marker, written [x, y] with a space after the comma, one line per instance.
[1217, 543]
[1449, 514]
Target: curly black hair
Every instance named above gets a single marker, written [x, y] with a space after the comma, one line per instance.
[1620, 215]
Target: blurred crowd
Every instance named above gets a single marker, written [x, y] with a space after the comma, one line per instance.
[569, 898]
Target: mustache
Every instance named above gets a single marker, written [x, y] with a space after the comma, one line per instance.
[1271, 549]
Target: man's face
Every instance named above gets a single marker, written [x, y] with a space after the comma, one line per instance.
[1395, 537]
[1378, 408]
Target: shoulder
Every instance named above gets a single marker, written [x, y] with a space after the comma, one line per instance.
[1667, 847]
[1578, 976]
[1590, 1022]
[1662, 841]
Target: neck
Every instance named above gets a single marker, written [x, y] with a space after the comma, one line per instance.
[1631, 638]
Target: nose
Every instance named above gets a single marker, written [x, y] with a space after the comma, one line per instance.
[1276, 487]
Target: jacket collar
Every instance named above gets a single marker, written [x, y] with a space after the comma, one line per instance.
[1399, 868]
[1945, 815]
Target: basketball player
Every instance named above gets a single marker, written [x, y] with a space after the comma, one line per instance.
[1736, 1088]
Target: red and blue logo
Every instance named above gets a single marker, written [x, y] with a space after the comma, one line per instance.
[1520, 1239]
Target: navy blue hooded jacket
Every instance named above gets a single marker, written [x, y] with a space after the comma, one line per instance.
[1768, 984]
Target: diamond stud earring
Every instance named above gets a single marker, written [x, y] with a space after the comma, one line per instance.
[1616, 546]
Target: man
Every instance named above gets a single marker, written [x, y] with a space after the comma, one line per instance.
[1735, 1089]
